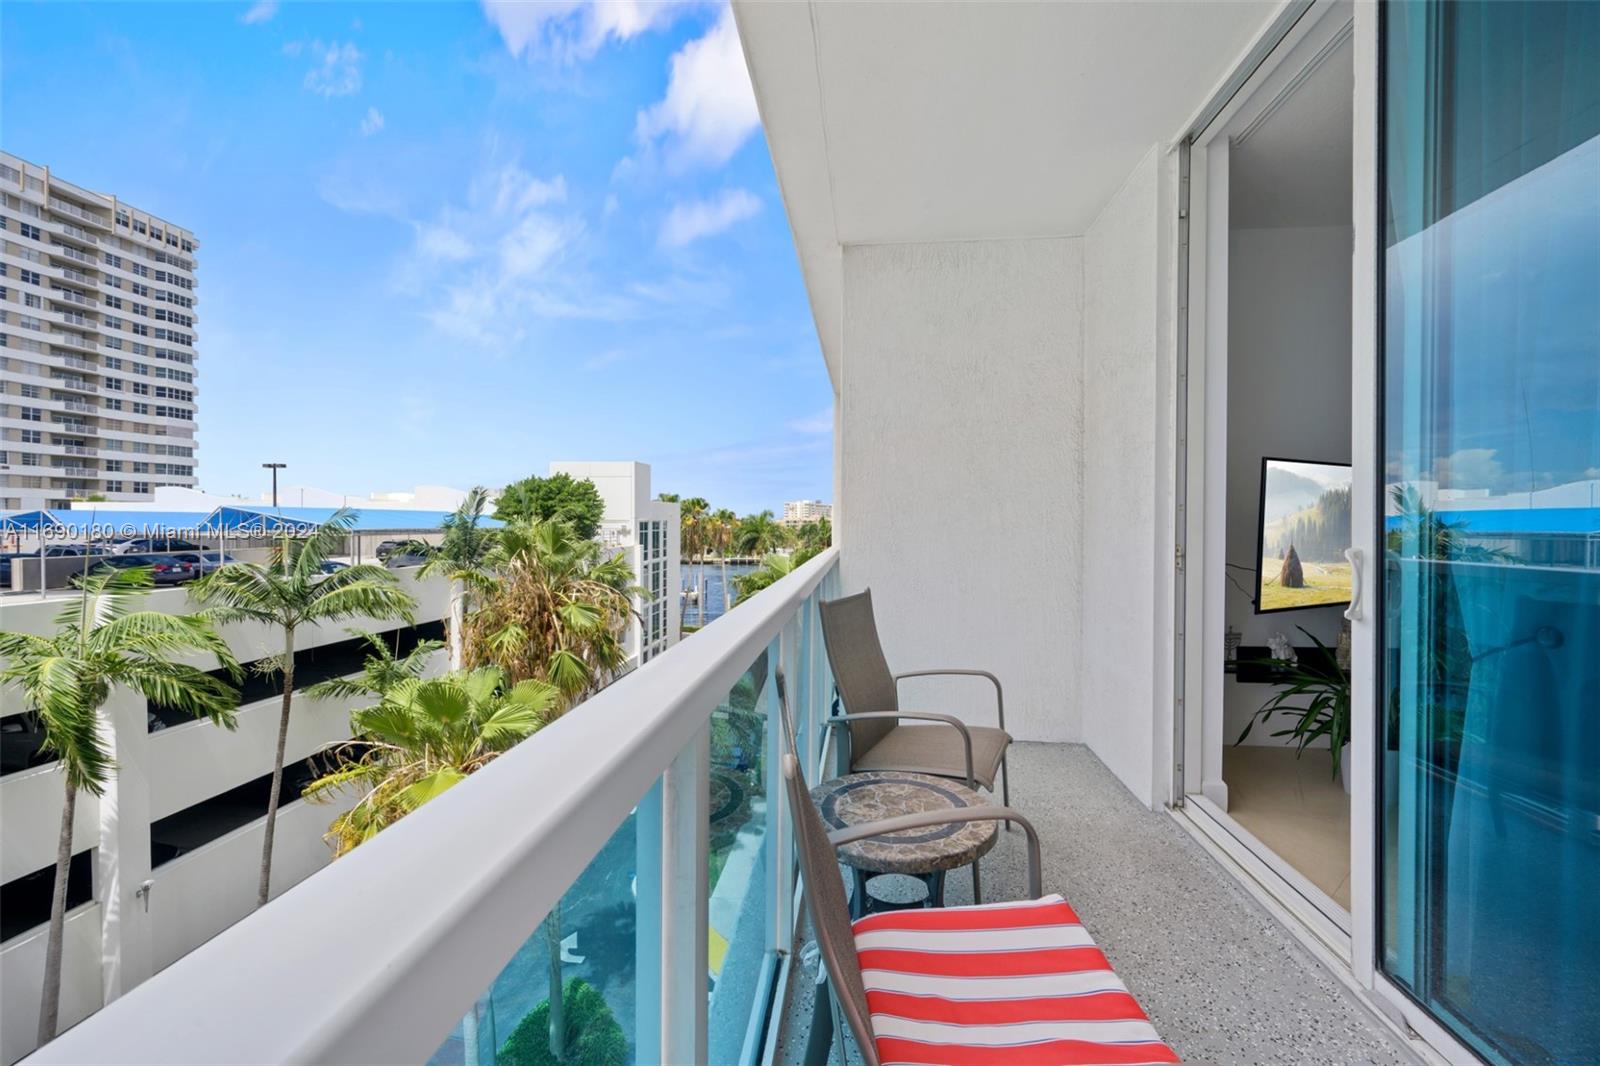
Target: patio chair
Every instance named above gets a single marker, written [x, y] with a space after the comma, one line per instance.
[998, 983]
[878, 740]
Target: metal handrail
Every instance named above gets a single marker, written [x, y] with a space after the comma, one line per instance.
[375, 958]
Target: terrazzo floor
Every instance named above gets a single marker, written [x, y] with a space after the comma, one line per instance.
[1222, 980]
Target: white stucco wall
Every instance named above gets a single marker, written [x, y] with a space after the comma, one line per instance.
[1126, 629]
[960, 427]
[22, 976]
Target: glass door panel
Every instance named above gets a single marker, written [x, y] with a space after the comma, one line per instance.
[1489, 790]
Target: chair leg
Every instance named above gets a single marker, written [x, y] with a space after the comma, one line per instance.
[838, 1025]
[977, 883]
[1005, 786]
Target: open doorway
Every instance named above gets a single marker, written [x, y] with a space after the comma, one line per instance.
[1275, 489]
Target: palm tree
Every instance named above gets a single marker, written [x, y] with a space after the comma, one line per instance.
[692, 514]
[288, 592]
[383, 669]
[462, 556]
[815, 536]
[558, 612]
[774, 568]
[424, 737]
[760, 534]
[723, 525]
[101, 643]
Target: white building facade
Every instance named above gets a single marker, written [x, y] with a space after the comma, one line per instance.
[647, 530]
[98, 324]
[798, 512]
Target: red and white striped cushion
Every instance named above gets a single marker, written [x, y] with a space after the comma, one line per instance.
[1004, 984]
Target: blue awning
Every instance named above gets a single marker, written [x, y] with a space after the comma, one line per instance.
[241, 520]
[1516, 522]
[29, 520]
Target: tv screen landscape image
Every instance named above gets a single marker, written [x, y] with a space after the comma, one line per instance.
[1304, 529]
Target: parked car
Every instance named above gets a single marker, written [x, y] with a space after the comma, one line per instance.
[206, 562]
[155, 544]
[409, 553]
[5, 567]
[387, 548]
[53, 551]
[164, 569]
[333, 566]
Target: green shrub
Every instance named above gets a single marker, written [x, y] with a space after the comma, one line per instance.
[593, 1036]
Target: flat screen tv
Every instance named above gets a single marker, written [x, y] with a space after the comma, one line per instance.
[1303, 530]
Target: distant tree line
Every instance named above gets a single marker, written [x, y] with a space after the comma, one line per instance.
[1322, 532]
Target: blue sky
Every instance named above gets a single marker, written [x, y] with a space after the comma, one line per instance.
[448, 243]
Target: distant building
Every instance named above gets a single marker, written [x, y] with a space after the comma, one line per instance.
[97, 326]
[647, 529]
[799, 512]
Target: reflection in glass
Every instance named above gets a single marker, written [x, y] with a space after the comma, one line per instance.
[593, 933]
[740, 861]
[1490, 775]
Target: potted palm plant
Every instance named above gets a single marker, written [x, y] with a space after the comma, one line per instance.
[1314, 697]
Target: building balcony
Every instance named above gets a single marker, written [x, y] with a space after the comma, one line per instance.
[74, 384]
[73, 318]
[649, 820]
[61, 339]
[69, 296]
[70, 274]
[88, 217]
[68, 252]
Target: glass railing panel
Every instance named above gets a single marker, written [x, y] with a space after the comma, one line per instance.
[739, 879]
[596, 935]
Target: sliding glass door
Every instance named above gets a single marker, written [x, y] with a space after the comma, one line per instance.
[1489, 690]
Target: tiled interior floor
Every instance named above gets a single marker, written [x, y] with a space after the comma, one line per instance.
[1295, 807]
[1221, 979]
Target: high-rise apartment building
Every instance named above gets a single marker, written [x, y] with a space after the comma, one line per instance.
[799, 512]
[97, 345]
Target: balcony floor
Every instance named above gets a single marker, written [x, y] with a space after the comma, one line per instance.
[1221, 979]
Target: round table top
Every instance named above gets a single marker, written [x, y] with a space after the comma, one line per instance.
[874, 795]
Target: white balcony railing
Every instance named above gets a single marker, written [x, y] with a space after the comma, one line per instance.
[379, 957]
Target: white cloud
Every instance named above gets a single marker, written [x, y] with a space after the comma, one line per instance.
[338, 69]
[609, 357]
[371, 122]
[441, 242]
[489, 264]
[688, 222]
[569, 30]
[260, 11]
[814, 424]
[1469, 468]
[709, 109]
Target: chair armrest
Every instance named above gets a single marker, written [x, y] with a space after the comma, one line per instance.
[999, 693]
[923, 819]
[923, 716]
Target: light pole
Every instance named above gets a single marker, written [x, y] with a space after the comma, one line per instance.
[274, 467]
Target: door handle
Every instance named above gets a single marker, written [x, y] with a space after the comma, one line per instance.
[1353, 612]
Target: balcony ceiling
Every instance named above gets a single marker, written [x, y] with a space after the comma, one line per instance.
[925, 121]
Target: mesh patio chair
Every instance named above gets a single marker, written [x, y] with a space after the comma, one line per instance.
[1002, 983]
[873, 716]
